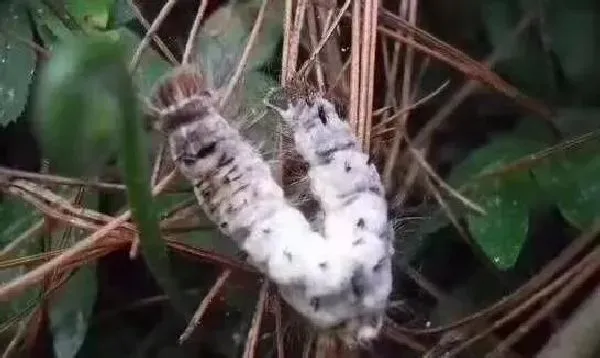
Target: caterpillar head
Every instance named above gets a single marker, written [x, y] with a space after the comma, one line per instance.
[181, 96]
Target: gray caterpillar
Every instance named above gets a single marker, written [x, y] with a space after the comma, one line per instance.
[326, 278]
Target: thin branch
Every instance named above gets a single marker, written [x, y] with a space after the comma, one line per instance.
[287, 29]
[467, 202]
[161, 45]
[355, 67]
[244, 59]
[212, 293]
[411, 14]
[325, 38]
[254, 331]
[294, 41]
[278, 327]
[57, 179]
[16, 243]
[16, 286]
[192, 38]
[162, 15]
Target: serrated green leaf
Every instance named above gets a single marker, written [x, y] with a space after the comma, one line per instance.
[572, 179]
[501, 233]
[49, 27]
[17, 60]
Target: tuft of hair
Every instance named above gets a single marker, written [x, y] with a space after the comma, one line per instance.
[177, 87]
[180, 96]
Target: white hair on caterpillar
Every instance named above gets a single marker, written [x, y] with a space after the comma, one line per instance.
[339, 276]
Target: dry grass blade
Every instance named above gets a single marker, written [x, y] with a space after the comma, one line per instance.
[193, 36]
[325, 38]
[411, 14]
[535, 284]
[56, 179]
[293, 40]
[212, 293]
[14, 287]
[160, 18]
[239, 71]
[572, 275]
[253, 333]
[34, 230]
[468, 203]
[278, 327]
[161, 45]
[553, 303]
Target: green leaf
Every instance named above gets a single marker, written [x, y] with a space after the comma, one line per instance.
[17, 60]
[574, 121]
[524, 60]
[77, 111]
[572, 179]
[91, 14]
[225, 34]
[71, 307]
[49, 26]
[70, 311]
[506, 199]
[569, 21]
[120, 14]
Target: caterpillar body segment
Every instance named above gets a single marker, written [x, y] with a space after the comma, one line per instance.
[351, 195]
[235, 188]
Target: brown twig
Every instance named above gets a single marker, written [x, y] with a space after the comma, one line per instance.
[160, 18]
[212, 293]
[254, 331]
[56, 179]
[193, 36]
[239, 71]
[14, 287]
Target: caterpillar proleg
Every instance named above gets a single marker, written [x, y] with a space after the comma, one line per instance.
[324, 277]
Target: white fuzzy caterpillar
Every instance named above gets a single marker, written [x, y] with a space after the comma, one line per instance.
[318, 277]
[351, 195]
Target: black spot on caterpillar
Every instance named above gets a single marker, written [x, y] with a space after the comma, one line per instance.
[224, 160]
[357, 281]
[322, 115]
[360, 223]
[379, 265]
[206, 150]
[315, 303]
[323, 265]
[358, 242]
[325, 155]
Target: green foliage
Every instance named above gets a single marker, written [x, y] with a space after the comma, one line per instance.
[503, 230]
[17, 60]
[70, 119]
